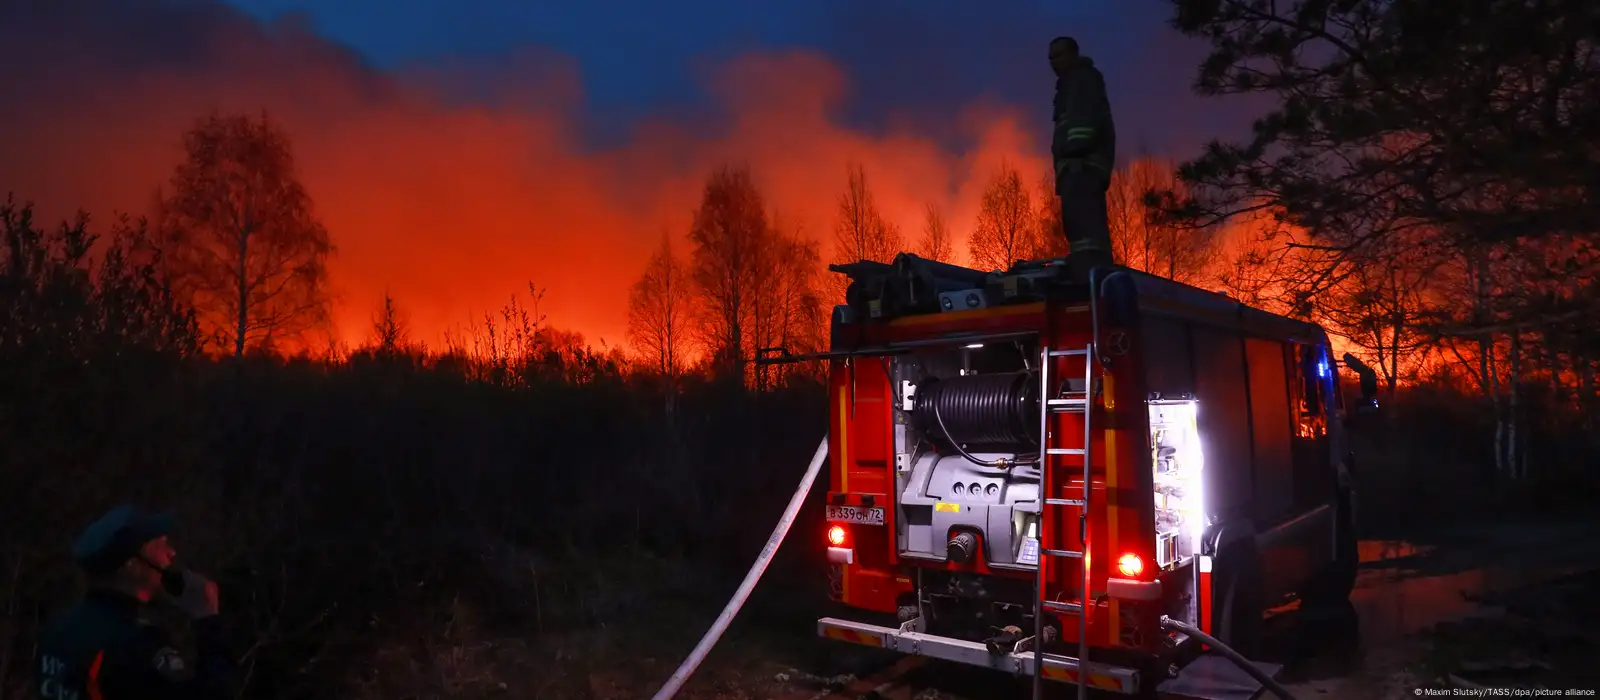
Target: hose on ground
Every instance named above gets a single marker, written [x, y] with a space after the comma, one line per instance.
[691, 663]
[1234, 656]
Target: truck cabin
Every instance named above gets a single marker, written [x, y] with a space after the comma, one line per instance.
[1017, 456]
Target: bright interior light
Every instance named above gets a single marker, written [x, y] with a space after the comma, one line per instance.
[1130, 565]
[1178, 464]
[974, 346]
[836, 535]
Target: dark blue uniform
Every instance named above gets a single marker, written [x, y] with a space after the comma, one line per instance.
[104, 647]
[1083, 146]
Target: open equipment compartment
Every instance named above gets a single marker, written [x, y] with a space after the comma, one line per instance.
[966, 445]
[1177, 470]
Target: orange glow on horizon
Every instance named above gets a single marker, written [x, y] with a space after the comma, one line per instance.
[455, 209]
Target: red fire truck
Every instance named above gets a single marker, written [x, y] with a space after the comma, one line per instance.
[1023, 462]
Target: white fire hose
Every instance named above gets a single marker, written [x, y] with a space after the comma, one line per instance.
[689, 664]
[1228, 653]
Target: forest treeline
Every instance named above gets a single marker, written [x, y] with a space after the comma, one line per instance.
[411, 519]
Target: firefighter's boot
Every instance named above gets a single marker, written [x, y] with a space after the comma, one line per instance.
[1080, 263]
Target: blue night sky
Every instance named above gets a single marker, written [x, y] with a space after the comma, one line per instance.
[637, 58]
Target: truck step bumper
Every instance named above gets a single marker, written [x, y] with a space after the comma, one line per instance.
[1056, 667]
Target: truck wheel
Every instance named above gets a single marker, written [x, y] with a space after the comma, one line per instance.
[1241, 611]
[1331, 587]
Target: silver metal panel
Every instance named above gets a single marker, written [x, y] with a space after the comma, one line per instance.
[986, 497]
[1116, 678]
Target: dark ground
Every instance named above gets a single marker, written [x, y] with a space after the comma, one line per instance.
[1545, 636]
[1495, 605]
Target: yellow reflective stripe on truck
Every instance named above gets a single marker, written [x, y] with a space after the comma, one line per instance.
[844, 484]
[1096, 680]
[844, 442]
[1113, 534]
[853, 636]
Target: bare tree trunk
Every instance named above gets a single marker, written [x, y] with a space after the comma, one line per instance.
[1586, 377]
[672, 404]
[1486, 356]
[1557, 362]
[1492, 373]
[1512, 417]
[1397, 319]
[244, 295]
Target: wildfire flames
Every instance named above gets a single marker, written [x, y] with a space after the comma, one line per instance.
[452, 209]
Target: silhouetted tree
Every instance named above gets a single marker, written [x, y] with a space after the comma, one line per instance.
[1006, 229]
[76, 296]
[1380, 309]
[1477, 120]
[511, 344]
[788, 303]
[659, 312]
[1142, 238]
[935, 243]
[1050, 236]
[730, 236]
[242, 242]
[860, 231]
[1462, 132]
[391, 330]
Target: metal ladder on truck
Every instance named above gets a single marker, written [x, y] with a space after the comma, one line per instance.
[1053, 403]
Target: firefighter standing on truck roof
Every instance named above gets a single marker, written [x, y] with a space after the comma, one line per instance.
[105, 647]
[1084, 148]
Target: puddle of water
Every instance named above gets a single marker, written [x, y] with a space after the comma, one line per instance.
[1391, 607]
[1375, 551]
[1401, 589]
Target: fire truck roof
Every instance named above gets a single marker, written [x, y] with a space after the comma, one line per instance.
[915, 286]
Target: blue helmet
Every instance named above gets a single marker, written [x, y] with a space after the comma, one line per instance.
[117, 536]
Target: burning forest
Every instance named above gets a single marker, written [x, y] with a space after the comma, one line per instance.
[450, 394]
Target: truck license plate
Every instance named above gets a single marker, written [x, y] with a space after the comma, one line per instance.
[855, 514]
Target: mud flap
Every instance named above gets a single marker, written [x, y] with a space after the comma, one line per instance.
[1214, 677]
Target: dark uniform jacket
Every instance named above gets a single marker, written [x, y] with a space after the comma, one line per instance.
[102, 649]
[1084, 139]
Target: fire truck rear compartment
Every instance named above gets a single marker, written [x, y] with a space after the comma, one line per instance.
[961, 397]
[967, 443]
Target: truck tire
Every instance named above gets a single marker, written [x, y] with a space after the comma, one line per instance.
[1241, 609]
[1331, 587]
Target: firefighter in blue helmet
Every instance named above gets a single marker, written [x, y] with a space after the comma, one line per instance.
[106, 646]
[1084, 149]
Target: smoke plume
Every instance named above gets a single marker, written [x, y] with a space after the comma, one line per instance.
[451, 187]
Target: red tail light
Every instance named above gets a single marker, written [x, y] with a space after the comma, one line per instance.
[836, 536]
[1130, 565]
